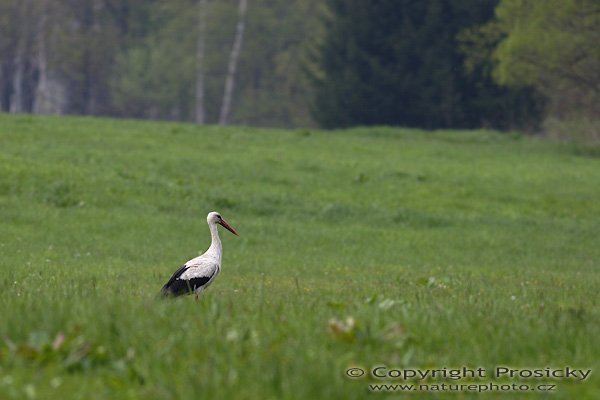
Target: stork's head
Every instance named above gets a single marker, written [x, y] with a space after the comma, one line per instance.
[215, 218]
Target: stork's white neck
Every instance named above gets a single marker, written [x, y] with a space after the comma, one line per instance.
[215, 248]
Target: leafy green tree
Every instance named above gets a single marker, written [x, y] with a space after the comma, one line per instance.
[156, 76]
[270, 84]
[552, 45]
[153, 76]
[508, 107]
[274, 89]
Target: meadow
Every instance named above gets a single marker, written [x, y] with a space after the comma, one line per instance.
[358, 248]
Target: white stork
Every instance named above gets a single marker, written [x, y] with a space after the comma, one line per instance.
[196, 274]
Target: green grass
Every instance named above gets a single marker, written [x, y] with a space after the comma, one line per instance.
[447, 249]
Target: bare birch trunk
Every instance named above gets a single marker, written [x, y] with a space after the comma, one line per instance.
[233, 60]
[16, 99]
[200, 46]
[42, 101]
[88, 90]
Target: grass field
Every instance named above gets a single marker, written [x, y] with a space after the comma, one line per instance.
[359, 248]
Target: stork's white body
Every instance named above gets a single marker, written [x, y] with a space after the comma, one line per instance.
[207, 264]
[199, 272]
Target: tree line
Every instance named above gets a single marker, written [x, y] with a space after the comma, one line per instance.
[227, 61]
[504, 64]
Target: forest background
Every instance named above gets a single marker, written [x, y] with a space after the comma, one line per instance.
[510, 64]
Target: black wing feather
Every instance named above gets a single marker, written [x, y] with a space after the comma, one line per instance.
[178, 287]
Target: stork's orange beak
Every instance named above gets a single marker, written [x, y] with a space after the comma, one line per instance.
[226, 226]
